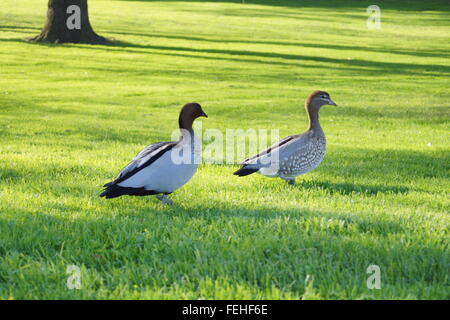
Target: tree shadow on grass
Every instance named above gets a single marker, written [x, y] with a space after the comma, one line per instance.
[359, 65]
[371, 67]
[261, 247]
[403, 5]
[299, 44]
[376, 66]
[19, 29]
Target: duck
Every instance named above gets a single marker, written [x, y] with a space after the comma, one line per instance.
[296, 154]
[162, 167]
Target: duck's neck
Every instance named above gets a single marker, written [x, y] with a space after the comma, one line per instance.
[313, 119]
[186, 131]
[187, 135]
[185, 124]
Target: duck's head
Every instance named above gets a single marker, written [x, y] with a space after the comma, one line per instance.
[189, 113]
[318, 99]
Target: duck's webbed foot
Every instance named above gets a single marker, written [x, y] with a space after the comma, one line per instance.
[164, 199]
[290, 181]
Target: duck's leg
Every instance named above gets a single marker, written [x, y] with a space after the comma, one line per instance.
[290, 181]
[164, 199]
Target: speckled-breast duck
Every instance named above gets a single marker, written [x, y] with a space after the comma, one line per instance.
[162, 167]
[297, 154]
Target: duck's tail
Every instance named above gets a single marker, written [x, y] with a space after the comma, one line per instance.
[245, 171]
[113, 191]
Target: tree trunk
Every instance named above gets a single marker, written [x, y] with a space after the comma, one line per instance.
[68, 21]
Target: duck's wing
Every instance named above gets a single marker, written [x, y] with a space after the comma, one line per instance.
[273, 148]
[269, 157]
[142, 160]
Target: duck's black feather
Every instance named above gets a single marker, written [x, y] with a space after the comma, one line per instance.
[114, 191]
[245, 171]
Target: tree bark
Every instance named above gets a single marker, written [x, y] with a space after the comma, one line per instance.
[60, 26]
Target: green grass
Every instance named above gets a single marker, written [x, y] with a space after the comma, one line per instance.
[71, 116]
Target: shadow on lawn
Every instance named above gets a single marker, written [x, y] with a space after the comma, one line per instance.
[207, 242]
[247, 56]
[133, 215]
[8, 175]
[19, 29]
[350, 188]
[356, 64]
[403, 5]
[413, 52]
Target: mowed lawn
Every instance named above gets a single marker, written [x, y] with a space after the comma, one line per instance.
[71, 116]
